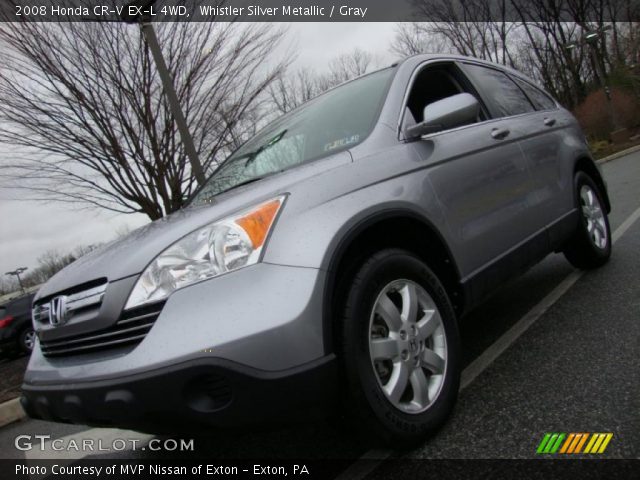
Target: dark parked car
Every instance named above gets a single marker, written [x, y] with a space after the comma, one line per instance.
[16, 330]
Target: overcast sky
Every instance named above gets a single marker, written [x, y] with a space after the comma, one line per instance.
[29, 229]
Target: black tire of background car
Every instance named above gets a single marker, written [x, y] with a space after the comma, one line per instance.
[580, 250]
[22, 347]
[365, 405]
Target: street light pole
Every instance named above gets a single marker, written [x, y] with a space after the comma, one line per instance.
[591, 42]
[16, 273]
[138, 11]
[590, 38]
[174, 104]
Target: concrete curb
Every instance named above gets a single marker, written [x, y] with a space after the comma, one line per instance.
[11, 411]
[619, 154]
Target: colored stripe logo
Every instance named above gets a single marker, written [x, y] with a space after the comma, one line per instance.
[573, 443]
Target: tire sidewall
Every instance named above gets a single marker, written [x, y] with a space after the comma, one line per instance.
[397, 264]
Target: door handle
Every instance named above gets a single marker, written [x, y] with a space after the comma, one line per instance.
[549, 122]
[500, 133]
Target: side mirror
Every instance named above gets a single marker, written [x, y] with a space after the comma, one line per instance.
[450, 112]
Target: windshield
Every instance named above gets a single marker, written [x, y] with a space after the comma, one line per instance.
[334, 121]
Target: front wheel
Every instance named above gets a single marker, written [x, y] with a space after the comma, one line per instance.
[400, 349]
[590, 245]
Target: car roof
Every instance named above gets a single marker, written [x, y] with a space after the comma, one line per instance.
[27, 298]
[423, 57]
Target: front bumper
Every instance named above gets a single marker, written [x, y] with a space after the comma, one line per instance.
[190, 396]
[254, 335]
[268, 317]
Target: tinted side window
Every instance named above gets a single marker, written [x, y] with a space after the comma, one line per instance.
[540, 100]
[505, 96]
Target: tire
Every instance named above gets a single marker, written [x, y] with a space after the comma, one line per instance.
[590, 245]
[26, 340]
[398, 417]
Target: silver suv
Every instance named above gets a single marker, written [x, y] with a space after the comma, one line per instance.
[324, 264]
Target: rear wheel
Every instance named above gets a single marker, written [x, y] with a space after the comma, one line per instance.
[400, 349]
[590, 245]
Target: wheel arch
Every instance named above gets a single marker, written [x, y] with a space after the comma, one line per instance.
[413, 232]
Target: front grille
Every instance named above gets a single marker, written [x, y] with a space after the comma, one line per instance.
[74, 303]
[132, 326]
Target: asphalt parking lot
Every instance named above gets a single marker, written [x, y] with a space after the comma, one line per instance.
[574, 369]
[11, 372]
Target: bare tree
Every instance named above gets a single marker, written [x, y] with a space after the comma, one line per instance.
[49, 263]
[84, 120]
[534, 36]
[345, 67]
[477, 28]
[415, 37]
[8, 286]
[290, 91]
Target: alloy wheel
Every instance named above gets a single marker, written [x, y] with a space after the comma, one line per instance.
[594, 216]
[407, 346]
[29, 340]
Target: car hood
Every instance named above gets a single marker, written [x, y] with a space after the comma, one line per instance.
[129, 255]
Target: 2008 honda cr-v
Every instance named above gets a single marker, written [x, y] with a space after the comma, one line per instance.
[326, 262]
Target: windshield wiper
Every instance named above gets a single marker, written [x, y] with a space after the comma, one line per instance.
[253, 155]
[250, 156]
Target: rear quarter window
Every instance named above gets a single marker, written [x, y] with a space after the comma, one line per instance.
[503, 94]
[540, 100]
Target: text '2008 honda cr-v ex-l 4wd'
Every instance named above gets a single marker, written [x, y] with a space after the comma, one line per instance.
[324, 264]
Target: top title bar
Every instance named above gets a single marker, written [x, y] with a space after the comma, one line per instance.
[319, 10]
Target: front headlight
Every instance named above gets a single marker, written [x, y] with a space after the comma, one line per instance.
[219, 247]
